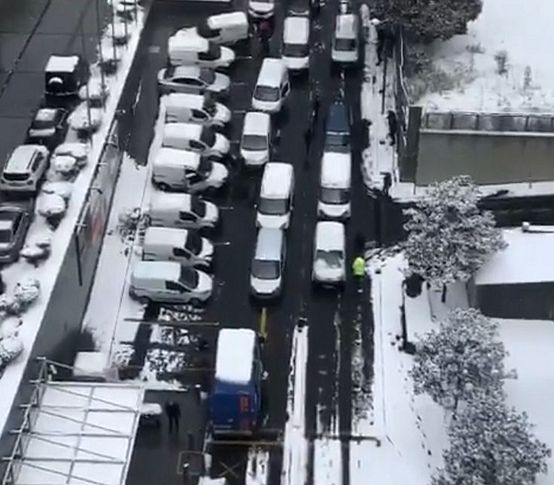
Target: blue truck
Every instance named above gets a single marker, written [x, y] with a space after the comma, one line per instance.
[235, 400]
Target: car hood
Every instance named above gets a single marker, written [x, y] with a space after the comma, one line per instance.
[205, 283]
[212, 213]
[262, 7]
[219, 174]
[323, 271]
[207, 250]
[222, 113]
[221, 144]
[221, 82]
[227, 56]
[265, 287]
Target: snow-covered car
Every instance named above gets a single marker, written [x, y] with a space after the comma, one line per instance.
[329, 267]
[197, 138]
[48, 127]
[95, 92]
[85, 119]
[182, 211]
[14, 224]
[223, 28]
[345, 42]
[296, 37]
[193, 79]
[191, 49]
[255, 143]
[119, 32]
[24, 169]
[169, 282]
[195, 108]
[79, 151]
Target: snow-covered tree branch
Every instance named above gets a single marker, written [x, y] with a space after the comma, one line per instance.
[492, 444]
[462, 357]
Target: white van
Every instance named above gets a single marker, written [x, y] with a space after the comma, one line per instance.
[255, 143]
[261, 9]
[182, 211]
[189, 48]
[272, 86]
[344, 45]
[335, 183]
[197, 138]
[169, 282]
[296, 38]
[181, 245]
[195, 108]
[223, 28]
[175, 169]
[329, 258]
[276, 196]
[266, 273]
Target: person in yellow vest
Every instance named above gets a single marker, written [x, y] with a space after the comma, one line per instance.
[358, 270]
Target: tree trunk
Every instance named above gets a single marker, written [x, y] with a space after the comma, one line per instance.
[443, 298]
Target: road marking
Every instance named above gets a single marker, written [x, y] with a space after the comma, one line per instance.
[263, 324]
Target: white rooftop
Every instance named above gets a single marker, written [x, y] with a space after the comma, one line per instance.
[179, 158]
[529, 258]
[256, 123]
[62, 63]
[330, 235]
[235, 353]
[277, 179]
[80, 433]
[296, 29]
[336, 169]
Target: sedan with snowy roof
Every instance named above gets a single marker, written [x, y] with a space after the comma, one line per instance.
[64, 75]
[193, 79]
[14, 224]
[182, 211]
[187, 49]
[195, 108]
[49, 127]
[169, 282]
[329, 267]
[197, 138]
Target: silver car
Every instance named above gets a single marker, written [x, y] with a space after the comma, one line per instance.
[193, 79]
[24, 169]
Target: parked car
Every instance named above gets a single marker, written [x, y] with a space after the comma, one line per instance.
[272, 86]
[255, 143]
[193, 79]
[195, 108]
[49, 127]
[329, 267]
[268, 264]
[182, 245]
[24, 169]
[64, 75]
[14, 224]
[335, 186]
[187, 49]
[223, 28]
[275, 204]
[345, 42]
[337, 128]
[197, 138]
[182, 211]
[296, 38]
[169, 282]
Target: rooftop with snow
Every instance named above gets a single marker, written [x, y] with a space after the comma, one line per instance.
[235, 355]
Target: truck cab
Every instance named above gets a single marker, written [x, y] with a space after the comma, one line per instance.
[235, 401]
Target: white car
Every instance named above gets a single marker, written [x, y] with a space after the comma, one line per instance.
[255, 141]
[182, 211]
[193, 79]
[196, 108]
[197, 138]
[261, 9]
[191, 49]
[329, 267]
[296, 38]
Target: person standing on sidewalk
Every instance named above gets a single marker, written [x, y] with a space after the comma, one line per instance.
[358, 270]
[393, 126]
[173, 411]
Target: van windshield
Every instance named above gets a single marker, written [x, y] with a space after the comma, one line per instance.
[209, 106]
[295, 50]
[254, 142]
[332, 258]
[198, 206]
[207, 75]
[266, 93]
[208, 137]
[265, 270]
[188, 277]
[273, 207]
[193, 242]
[345, 44]
[337, 142]
[332, 195]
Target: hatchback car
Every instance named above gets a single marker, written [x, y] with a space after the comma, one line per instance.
[194, 80]
[48, 127]
[14, 224]
[24, 169]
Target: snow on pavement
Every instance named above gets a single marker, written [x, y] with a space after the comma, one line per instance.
[327, 461]
[295, 447]
[257, 467]
[47, 272]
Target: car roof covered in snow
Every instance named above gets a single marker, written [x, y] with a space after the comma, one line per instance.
[160, 270]
[256, 123]
[188, 131]
[269, 243]
[21, 158]
[235, 355]
[336, 169]
[173, 157]
[277, 180]
[527, 259]
[221, 20]
[187, 71]
[346, 26]
[188, 41]
[194, 101]
[170, 201]
[329, 235]
[271, 72]
[296, 30]
[62, 63]
[166, 236]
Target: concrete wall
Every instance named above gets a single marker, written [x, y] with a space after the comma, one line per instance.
[488, 157]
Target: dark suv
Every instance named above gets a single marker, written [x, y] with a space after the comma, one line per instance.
[337, 128]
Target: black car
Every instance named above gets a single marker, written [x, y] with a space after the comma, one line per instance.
[337, 128]
[14, 224]
[64, 75]
[49, 127]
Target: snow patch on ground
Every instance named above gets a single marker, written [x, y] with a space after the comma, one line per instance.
[257, 468]
[327, 462]
[521, 28]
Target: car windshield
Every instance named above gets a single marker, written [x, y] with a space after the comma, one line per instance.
[45, 118]
[188, 277]
[205, 167]
[273, 207]
[254, 142]
[295, 50]
[5, 236]
[266, 93]
[198, 206]
[337, 142]
[331, 195]
[207, 75]
[265, 270]
[208, 137]
[193, 242]
[332, 258]
[345, 44]
[209, 106]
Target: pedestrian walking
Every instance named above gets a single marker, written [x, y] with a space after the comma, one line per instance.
[380, 43]
[308, 138]
[315, 8]
[387, 183]
[173, 411]
[264, 34]
[358, 270]
[393, 126]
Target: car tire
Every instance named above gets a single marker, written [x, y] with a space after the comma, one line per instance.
[163, 186]
[195, 302]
